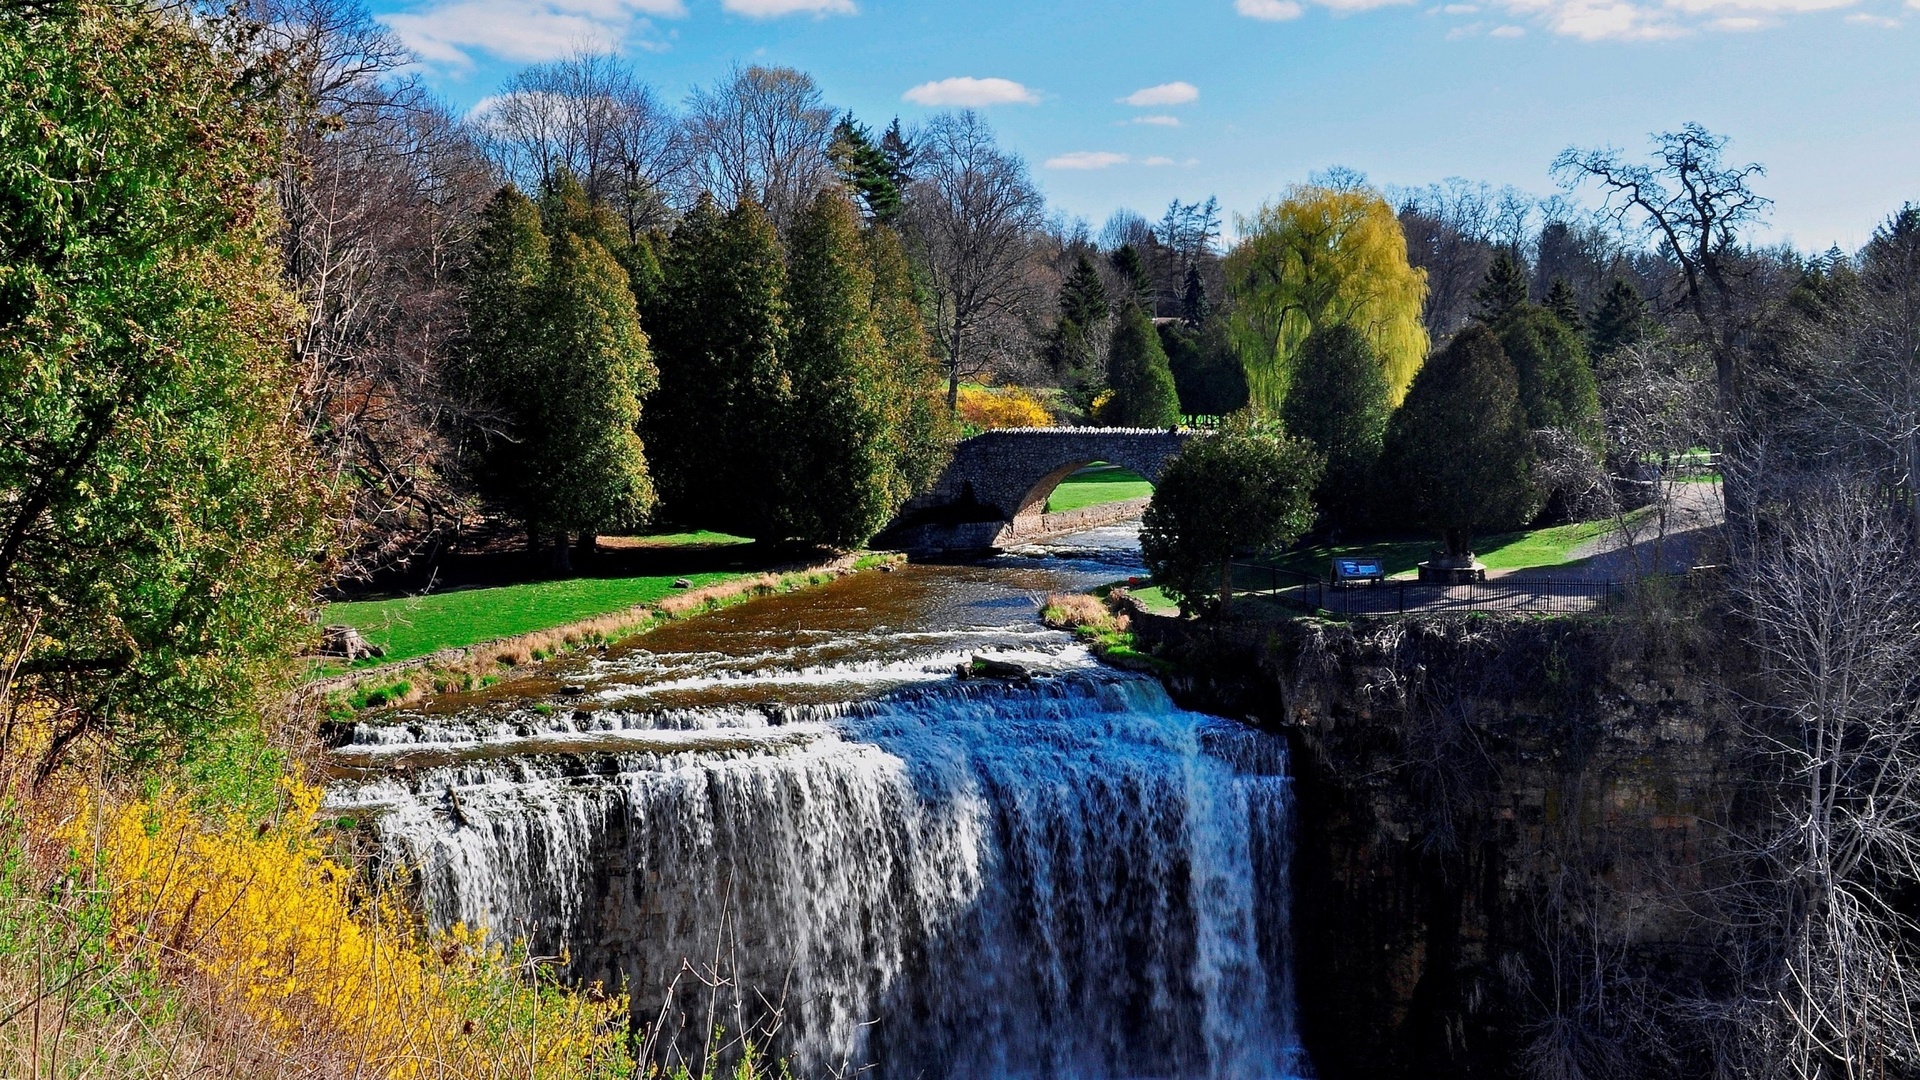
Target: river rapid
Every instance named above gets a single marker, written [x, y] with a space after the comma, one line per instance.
[793, 819]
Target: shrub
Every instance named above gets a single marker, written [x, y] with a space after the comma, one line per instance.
[1008, 407]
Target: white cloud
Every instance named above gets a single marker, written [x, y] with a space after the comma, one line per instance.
[968, 92]
[1269, 10]
[1508, 32]
[1880, 21]
[1739, 23]
[1173, 93]
[1350, 6]
[773, 9]
[1157, 162]
[444, 33]
[1461, 9]
[1158, 121]
[1088, 159]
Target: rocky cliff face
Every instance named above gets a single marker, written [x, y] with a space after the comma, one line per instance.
[1505, 827]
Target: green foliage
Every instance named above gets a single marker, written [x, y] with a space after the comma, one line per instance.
[866, 169]
[1564, 304]
[1557, 387]
[1072, 349]
[1195, 308]
[555, 350]
[1245, 490]
[160, 518]
[924, 427]
[1338, 402]
[1206, 368]
[1619, 321]
[1136, 283]
[1324, 257]
[1459, 449]
[1143, 391]
[716, 424]
[1503, 289]
[841, 477]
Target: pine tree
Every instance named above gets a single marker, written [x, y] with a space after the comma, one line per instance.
[1564, 304]
[1083, 296]
[1503, 289]
[1619, 321]
[1135, 281]
[866, 170]
[900, 153]
[1338, 402]
[1138, 375]
[1458, 449]
[714, 428]
[841, 479]
[1557, 387]
[1071, 349]
[1194, 307]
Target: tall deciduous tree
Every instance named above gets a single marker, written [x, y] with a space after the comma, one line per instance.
[720, 334]
[761, 135]
[1338, 402]
[160, 513]
[1138, 375]
[1324, 257]
[1244, 491]
[972, 213]
[1458, 449]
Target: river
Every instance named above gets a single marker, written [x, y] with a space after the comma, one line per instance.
[792, 819]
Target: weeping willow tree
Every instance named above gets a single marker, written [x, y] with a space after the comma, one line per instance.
[1325, 257]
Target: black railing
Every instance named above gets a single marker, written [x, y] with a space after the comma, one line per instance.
[1316, 595]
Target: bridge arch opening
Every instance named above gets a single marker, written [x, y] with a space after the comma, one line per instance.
[1079, 494]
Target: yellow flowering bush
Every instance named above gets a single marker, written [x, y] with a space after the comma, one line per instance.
[262, 915]
[1007, 407]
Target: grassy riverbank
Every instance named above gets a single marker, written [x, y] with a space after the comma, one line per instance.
[1097, 485]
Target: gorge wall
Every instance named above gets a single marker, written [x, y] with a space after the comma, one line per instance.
[1506, 829]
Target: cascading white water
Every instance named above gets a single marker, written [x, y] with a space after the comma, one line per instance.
[1075, 878]
[934, 877]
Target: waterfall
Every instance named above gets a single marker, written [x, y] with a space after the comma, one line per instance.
[1073, 878]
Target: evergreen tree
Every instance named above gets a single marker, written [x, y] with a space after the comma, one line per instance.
[1083, 296]
[1564, 304]
[1619, 321]
[1557, 387]
[641, 260]
[1135, 281]
[715, 425]
[841, 477]
[567, 209]
[498, 358]
[1338, 402]
[1194, 307]
[1206, 368]
[866, 169]
[1458, 449]
[585, 467]
[1071, 349]
[1503, 289]
[900, 153]
[1138, 376]
[924, 427]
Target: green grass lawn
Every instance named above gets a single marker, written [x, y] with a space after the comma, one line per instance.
[1097, 485]
[413, 626]
[1535, 548]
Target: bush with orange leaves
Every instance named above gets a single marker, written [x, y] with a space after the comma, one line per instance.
[187, 945]
[1006, 407]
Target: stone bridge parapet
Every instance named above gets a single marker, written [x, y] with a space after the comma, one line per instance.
[997, 484]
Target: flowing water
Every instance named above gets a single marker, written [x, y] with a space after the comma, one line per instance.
[888, 867]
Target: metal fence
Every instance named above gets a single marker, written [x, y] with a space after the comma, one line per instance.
[1316, 595]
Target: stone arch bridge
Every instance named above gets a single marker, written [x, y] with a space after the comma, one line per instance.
[994, 491]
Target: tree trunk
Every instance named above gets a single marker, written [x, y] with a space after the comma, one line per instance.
[533, 540]
[1226, 587]
[589, 545]
[562, 554]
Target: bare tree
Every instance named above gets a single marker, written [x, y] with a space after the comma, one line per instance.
[1453, 229]
[972, 214]
[1694, 205]
[590, 115]
[377, 190]
[762, 133]
[1834, 616]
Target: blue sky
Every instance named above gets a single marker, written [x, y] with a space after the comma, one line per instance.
[1249, 96]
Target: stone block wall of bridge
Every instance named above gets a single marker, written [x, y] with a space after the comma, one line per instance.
[1000, 478]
